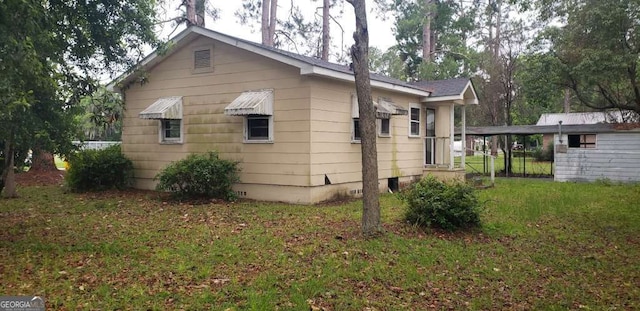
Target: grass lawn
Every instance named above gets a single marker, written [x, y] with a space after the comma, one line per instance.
[59, 162]
[544, 246]
[475, 164]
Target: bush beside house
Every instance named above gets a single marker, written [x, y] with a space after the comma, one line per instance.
[95, 170]
[432, 203]
[200, 176]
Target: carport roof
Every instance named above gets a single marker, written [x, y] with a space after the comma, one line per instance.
[550, 129]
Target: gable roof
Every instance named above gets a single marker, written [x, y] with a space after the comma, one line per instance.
[308, 65]
[580, 118]
[460, 89]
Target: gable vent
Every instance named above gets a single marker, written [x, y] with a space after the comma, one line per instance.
[202, 59]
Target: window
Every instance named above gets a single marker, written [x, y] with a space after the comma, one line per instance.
[414, 121]
[582, 141]
[384, 127]
[257, 109]
[430, 141]
[355, 137]
[258, 128]
[431, 123]
[170, 131]
[355, 117]
[202, 59]
[168, 112]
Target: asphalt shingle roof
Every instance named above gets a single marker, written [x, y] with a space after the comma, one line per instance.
[439, 88]
[436, 88]
[333, 66]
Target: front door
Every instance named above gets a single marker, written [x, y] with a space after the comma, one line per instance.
[430, 138]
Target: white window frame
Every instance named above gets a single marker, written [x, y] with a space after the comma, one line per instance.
[419, 121]
[353, 131]
[195, 70]
[355, 115]
[380, 133]
[170, 140]
[245, 126]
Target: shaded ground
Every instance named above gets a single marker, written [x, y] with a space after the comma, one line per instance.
[33, 178]
[553, 246]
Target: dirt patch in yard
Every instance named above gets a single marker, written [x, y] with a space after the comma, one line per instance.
[40, 178]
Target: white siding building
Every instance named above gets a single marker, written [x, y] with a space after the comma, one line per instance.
[602, 151]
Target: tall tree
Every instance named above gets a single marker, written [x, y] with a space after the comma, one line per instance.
[360, 54]
[302, 32]
[101, 115]
[598, 50]
[326, 29]
[195, 12]
[387, 63]
[50, 54]
[269, 21]
[432, 36]
[428, 36]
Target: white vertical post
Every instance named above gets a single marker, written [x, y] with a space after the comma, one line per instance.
[451, 135]
[463, 135]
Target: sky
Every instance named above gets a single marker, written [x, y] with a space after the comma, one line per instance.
[380, 30]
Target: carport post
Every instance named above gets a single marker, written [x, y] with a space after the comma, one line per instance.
[464, 137]
[524, 149]
[451, 135]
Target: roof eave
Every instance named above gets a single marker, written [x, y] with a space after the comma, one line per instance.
[310, 70]
[458, 99]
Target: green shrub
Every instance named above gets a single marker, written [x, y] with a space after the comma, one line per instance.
[200, 176]
[449, 206]
[544, 155]
[95, 170]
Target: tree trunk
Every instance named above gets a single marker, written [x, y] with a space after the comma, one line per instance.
[426, 33]
[191, 12]
[8, 175]
[326, 35]
[265, 22]
[42, 161]
[496, 52]
[273, 21]
[494, 146]
[200, 12]
[567, 100]
[269, 21]
[360, 53]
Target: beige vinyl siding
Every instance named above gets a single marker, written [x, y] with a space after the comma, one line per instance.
[334, 154]
[206, 127]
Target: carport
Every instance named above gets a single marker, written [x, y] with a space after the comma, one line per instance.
[524, 131]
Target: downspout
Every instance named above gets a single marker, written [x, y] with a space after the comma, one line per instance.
[560, 131]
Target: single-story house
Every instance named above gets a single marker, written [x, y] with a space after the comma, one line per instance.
[290, 120]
